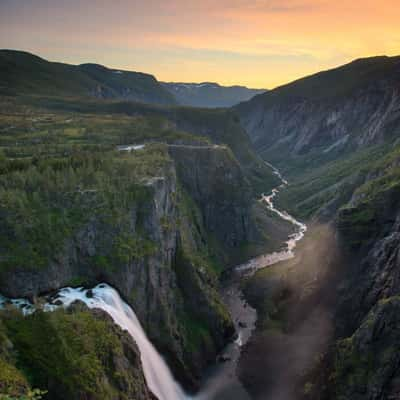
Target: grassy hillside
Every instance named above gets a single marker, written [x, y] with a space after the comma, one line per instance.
[25, 73]
[28, 129]
[71, 354]
[314, 189]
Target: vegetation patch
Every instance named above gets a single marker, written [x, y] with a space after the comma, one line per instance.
[70, 354]
[45, 202]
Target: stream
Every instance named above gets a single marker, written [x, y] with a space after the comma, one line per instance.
[221, 381]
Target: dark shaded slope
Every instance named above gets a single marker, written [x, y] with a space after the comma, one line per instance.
[25, 73]
[22, 72]
[321, 117]
[127, 85]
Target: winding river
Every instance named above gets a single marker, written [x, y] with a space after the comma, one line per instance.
[221, 381]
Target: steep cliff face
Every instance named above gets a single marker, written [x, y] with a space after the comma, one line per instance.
[223, 128]
[336, 135]
[361, 286]
[362, 362]
[146, 230]
[327, 114]
[368, 227]
[366, 365]
[129, 247]
[216, 182]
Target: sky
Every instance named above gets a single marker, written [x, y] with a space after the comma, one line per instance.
[260, 43]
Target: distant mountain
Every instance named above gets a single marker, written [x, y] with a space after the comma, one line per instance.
[25, 73]
[328, 113]
[209, 94]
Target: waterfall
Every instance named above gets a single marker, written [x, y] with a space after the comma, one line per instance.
[158, 376]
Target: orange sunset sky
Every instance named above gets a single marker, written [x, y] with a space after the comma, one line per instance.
[261, 43]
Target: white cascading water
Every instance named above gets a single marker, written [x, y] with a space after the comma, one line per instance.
[158, 376]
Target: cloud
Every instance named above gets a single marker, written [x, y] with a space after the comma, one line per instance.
[271, 6]
[272, 40]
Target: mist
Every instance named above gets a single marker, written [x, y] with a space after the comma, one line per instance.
[295, 301]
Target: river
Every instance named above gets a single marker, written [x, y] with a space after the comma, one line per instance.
[220, 382]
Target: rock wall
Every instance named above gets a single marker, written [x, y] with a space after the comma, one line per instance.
[169, 278]
[362, 362]
[216, 182]
[336, 119]
[331, 112]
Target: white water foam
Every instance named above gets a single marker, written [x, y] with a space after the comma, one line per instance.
[132, 147]
[158, 376]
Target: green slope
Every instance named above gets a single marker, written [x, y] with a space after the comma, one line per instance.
[25, 73]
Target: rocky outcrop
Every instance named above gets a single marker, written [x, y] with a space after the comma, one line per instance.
[216, 182]
[369, 231]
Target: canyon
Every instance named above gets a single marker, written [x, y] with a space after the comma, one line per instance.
[176, 213]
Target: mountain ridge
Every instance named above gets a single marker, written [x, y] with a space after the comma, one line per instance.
[334, 111]
[26, 73]
[210, 94]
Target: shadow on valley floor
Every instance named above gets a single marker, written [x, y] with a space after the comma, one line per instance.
[294, 300]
